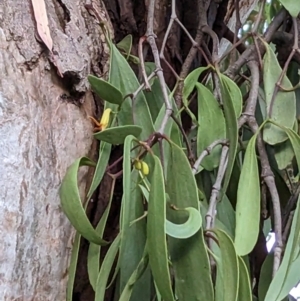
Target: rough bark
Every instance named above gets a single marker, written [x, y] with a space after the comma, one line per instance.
[41, 134]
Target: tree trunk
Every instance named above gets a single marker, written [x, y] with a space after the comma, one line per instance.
[42, 131]
[44, 104]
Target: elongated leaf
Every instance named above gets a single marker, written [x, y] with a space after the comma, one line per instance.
[284, 154]
[231, 127]
[282, 109]
[185, 230]
[93, 258]
[291, 6]
[72, 205]
[227, 283]
[189, 85]
[126, 45]
[72, 267]
[106, 268]
[189, 256]
[156, 233]
[226, 215]
[287, 275]
[211, 126]
[117, 135]
[190, 82]
[102, 162]
[135, 276]
[248, 203]
[105, 90]
[265, 277]
[123, 78]
[235, 95]
[133, 235]
[244, 292]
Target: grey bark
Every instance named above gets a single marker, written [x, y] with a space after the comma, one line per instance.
[40, 136]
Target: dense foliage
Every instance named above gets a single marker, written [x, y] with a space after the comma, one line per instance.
[198, 204]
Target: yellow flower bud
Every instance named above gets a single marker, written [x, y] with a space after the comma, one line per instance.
[145, 168]
[105, 119]
[138, 164]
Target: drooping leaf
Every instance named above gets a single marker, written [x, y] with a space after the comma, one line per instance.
[248, 203]
[226, 215]
[188, 87]
[135, 276]
[194, 281]
[104, 153]
[156, 233]
[117, 135]
[72, 205]
[284, 154]
[235, 95]
[291, 6]
[185, 230]
[106, 268]
[93, 258]
[244, 292]
[105, 90]
[72, 267]
[133, 112]
[281, 109]
[265, 276]
[211, 126]
[287, 275]
[133, 236]
[226, 260]
[126, 45]
[231, 127]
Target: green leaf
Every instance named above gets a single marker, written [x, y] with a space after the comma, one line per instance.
[211, 126]
[104, 154]
[291, 6]
[227, 281]
[190, 82]
[189, 256]
[73, 267]
[226, 215]
[72, 205]
[185, 230]
[105, 90]
[231, 127]
[132, 112]
[117, 135]
[235, 95]
[265, 276]
[287, 275]
[189, 85]
[126, 45]
[135, 276]
[248, 203]
[282, 109]
[156, 233]
[106, 268]
[133, 234]
[244, 292]
[93, 258]
[284, 154]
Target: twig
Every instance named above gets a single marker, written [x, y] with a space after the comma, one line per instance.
[206, 152]
[141, 57]
[249, 54]
[211, 212]
[151, 40]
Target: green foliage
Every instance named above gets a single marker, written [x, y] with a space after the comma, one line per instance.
[166, 249]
